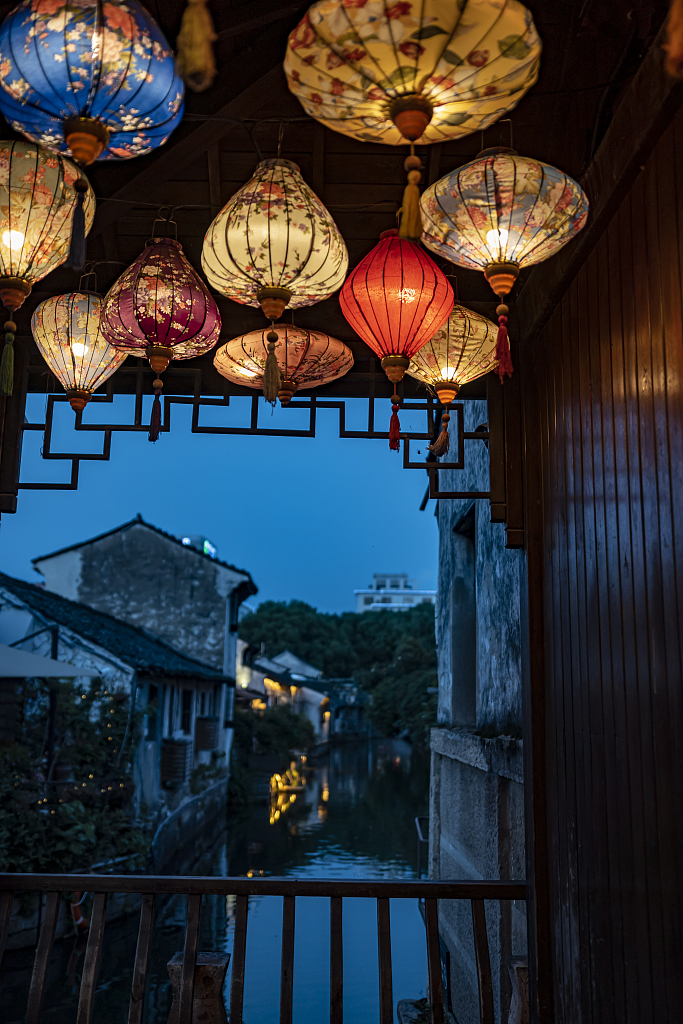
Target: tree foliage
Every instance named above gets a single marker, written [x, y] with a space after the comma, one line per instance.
[391, 655]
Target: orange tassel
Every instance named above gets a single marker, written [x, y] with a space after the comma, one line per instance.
[443, 441]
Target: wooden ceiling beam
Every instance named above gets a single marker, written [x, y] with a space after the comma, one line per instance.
[252, 16]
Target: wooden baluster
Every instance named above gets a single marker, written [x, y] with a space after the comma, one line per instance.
[145, 930]
[194, 906]
[434, 960]
[336, 962]
[239, 952]
[36, 993]
[5, 915]
[93, 955]
[386, 996]
[481, 949]
[287, 962]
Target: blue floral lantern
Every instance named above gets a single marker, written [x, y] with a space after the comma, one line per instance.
[93, 79]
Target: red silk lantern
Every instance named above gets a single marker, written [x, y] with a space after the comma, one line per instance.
[396, 300]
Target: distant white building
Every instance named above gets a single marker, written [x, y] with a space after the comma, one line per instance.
[392, 591]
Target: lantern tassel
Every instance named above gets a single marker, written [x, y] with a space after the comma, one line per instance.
[76, 258]
[394, 427]
[411, 221]
[7, 362]
[271, 374]
[503, 344]
[196, 63]
[155, 418]
[443, 441]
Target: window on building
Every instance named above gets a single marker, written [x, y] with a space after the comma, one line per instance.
[381, 584]
[407, 600]
[385, 600]
[186, 712]
[367, 600]
[395, 584]
[152, 709]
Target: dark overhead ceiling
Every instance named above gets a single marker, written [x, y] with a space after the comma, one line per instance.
[591, 49]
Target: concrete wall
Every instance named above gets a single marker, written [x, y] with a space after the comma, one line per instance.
[142, 577]
[476, 789]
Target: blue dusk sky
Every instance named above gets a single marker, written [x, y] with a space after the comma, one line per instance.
[310, 519]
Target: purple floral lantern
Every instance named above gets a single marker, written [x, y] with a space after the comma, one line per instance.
[161, 307]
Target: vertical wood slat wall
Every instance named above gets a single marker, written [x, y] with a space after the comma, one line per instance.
[603, 412]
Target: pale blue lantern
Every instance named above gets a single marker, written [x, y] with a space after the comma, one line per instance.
[88, 78]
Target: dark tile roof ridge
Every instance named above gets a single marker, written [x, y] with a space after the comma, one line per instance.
[13, 584]
[139, 521]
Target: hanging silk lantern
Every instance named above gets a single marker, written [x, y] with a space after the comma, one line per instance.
[399, 70]
[395, 300]
[460, 351]
[160, 307]
[38, 199]
[306, 359]
[274, 244]
[93, 79]
[66, 329]
[499, 213]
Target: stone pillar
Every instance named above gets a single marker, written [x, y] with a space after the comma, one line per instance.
[207, 1002]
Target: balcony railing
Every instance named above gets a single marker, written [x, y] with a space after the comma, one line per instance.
[195, 887]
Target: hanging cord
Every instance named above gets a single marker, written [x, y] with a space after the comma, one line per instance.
[89, 271]
[7, 361]
[280, 136]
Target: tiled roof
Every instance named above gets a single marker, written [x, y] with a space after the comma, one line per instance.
[139, 521]
[134, 646]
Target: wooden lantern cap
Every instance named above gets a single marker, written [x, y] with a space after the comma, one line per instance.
[286, 392]
[446, 391]
[13, 291]
[411, 115]
[502, 276]
[273, 301]
[159, 357]
[86, 138]
[78, 399]
[395, 367]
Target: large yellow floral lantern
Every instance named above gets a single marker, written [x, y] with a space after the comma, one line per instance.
[397, 70]
[66, 329]
[305, 359]
[499, 213]
[38, 200]
[460, 351]
[274, 244]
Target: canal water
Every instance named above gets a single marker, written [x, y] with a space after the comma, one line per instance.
[355, 819]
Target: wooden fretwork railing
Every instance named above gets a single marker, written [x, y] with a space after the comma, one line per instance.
[194, 887]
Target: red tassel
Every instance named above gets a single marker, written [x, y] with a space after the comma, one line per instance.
[155, 418]
[394, 430]
[503, 350]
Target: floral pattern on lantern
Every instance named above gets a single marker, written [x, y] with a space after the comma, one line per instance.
[306, 359]
[160, 301]
[502, 208]
[37, 205]
[354, 64]
[460, 351]
[275, 234]
[66, 329]
[104, 65]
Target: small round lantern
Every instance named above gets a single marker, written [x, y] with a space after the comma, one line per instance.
[499, 213]
[402, 71]
[161, 308]
[274, 244]
[306, 359]
[395, 300]
[38, 200]
[66, 329]
[93, 79]
[460, 351]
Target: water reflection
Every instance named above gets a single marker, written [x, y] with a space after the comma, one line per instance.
[354, 819]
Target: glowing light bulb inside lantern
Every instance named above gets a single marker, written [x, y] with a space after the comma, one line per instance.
[497, 239]
[79, 349]
[448, 372]
[13, 239]
[245, 371]
[407, 295]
